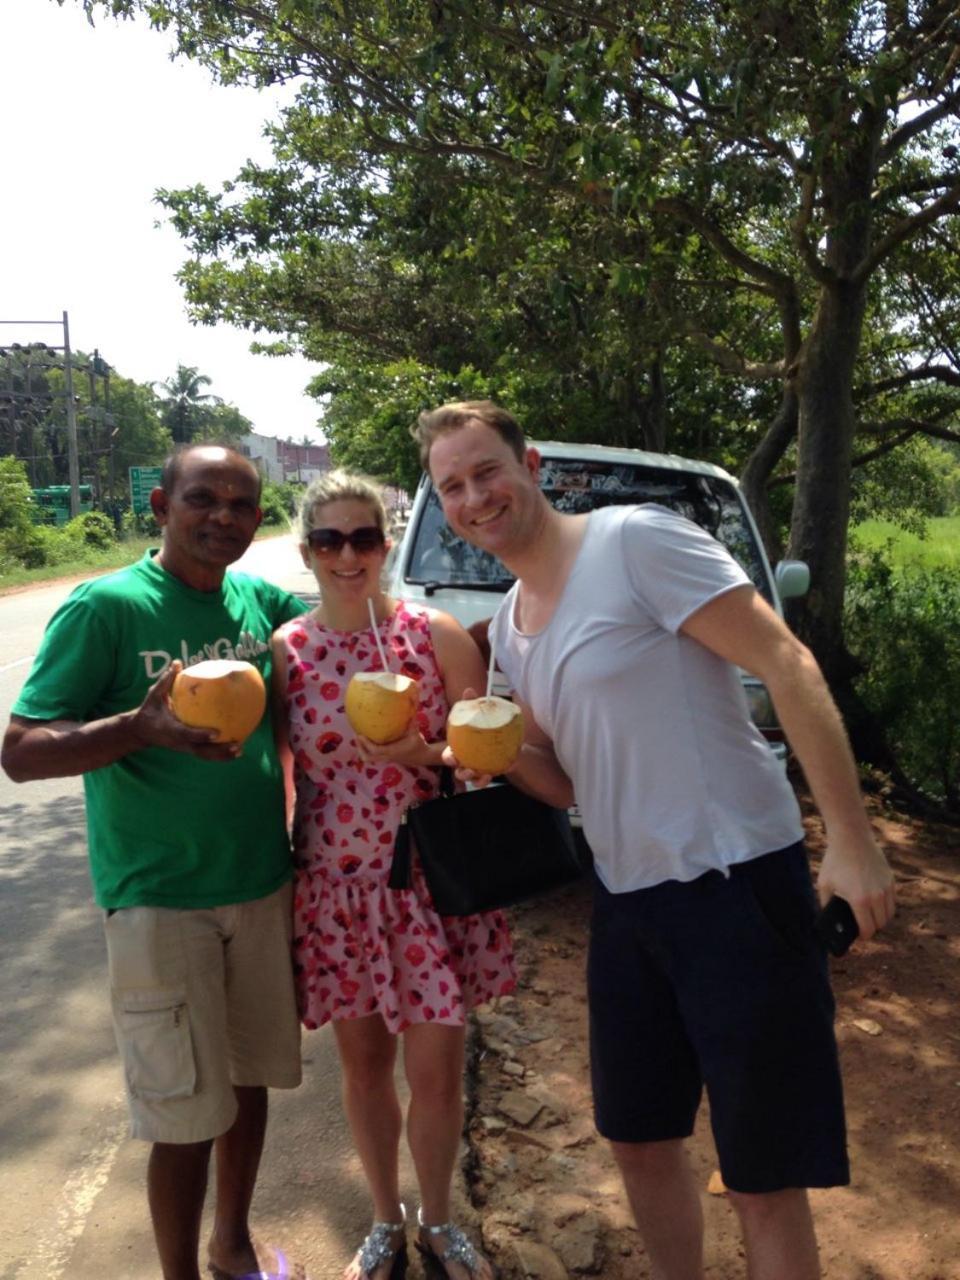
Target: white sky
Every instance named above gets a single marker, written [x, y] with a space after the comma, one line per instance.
[92, 122]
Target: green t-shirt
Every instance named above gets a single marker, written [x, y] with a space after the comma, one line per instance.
[166, 828]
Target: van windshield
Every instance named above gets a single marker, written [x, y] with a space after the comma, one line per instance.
[440, 558]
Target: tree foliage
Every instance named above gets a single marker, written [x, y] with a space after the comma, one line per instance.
[903, 624]
[185, 407]
[118, 420]
[729, 228]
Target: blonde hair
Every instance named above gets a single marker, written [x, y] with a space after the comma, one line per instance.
[339, 486]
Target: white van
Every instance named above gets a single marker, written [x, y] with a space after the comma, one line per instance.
[432, 565]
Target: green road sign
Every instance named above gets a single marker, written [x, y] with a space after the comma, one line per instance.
[142, 480]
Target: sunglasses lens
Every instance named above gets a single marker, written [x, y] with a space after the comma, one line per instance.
[367, 539]
[326, 540]
[331, 541]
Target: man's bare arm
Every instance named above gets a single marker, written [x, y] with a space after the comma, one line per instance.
[741, 627]
[34, 749]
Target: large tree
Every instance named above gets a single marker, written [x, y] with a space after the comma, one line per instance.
[766, 190]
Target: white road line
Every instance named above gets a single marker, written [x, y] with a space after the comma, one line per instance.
[54, 1247]
[8, 666]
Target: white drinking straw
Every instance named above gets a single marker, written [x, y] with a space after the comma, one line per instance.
[493, 661]
[376, 634]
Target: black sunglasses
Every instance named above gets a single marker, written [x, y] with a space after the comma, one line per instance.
[327, 542]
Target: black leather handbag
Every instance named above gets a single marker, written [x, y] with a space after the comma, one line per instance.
[485, 849]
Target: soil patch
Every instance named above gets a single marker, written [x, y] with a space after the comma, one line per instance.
[545, 1185]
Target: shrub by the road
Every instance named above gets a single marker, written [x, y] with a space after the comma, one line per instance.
[278, 502]
[25, 545]
[902, 625]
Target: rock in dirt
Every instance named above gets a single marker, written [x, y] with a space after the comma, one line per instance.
[519, 1107]
[869, 1026]
[538, 1262]
[580, 1245]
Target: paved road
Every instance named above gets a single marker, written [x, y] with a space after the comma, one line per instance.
[71, 1183]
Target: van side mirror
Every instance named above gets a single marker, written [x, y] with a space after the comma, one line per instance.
[792, 578]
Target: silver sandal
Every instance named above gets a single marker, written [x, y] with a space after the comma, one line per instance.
[459, 1249]
[378, 1249]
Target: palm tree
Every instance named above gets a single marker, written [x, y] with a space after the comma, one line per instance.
[184, 403]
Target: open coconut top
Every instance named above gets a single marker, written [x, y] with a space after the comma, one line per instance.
[386, 679]
[216, 668]
[483, 713]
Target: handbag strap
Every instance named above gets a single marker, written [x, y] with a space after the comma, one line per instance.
[400, 866]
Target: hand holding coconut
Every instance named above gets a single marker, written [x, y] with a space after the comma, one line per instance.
[484, 735]
[167, 718]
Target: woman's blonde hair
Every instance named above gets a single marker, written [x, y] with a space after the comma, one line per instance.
[339, 486]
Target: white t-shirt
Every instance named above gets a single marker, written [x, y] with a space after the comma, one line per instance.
[671, 776]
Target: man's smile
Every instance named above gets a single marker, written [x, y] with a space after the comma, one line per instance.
[480, 521]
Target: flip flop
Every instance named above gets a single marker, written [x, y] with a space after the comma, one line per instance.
[282, 1272]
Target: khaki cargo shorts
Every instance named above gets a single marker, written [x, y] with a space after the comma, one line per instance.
[202, 1001]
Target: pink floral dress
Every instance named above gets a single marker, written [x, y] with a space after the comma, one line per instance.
[360, 947]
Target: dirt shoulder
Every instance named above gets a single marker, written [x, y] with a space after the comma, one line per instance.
[544, 1184]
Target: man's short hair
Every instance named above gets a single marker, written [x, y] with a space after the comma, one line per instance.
[451, 417]
[173, 463]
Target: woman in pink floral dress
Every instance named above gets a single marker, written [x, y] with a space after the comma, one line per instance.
[379, 962]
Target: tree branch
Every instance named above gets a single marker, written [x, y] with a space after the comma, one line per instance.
[798, 231]
[731, 361]
[946, 204]
[936, 372]
[680, 209]
[918, 125]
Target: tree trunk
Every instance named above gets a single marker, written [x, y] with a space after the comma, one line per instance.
[653, 410]
[761, 463]
[642, 407]
[782, 431]
[821, 508]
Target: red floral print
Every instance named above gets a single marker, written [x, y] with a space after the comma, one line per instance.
[359, 946]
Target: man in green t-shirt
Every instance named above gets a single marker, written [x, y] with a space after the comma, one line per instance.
[188, 849]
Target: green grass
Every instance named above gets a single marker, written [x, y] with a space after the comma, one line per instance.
[92, 561]
[938, 550]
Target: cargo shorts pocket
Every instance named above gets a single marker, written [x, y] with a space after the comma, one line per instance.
[153, 1028]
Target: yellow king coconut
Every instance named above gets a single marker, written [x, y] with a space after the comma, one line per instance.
[485, 734]
[380, 704]
[220, 694]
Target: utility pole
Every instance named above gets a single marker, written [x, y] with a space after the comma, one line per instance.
[73, 457]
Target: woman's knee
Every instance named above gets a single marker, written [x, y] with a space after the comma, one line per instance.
[367, 1055]
[434, 1066]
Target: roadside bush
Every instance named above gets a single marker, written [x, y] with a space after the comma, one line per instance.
[94, 528]
[14, 494]
[278, 502]
[139, 526]
[23, 545]
[35, 546]
[902, 626]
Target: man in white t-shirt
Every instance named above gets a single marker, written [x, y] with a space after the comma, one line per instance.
[621, 638]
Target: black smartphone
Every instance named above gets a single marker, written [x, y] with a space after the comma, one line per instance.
[837, 926]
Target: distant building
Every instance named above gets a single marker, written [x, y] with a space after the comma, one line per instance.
[302, 463]
[264, 453]
[282, 460]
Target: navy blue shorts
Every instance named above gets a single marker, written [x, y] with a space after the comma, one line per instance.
[720, 982]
